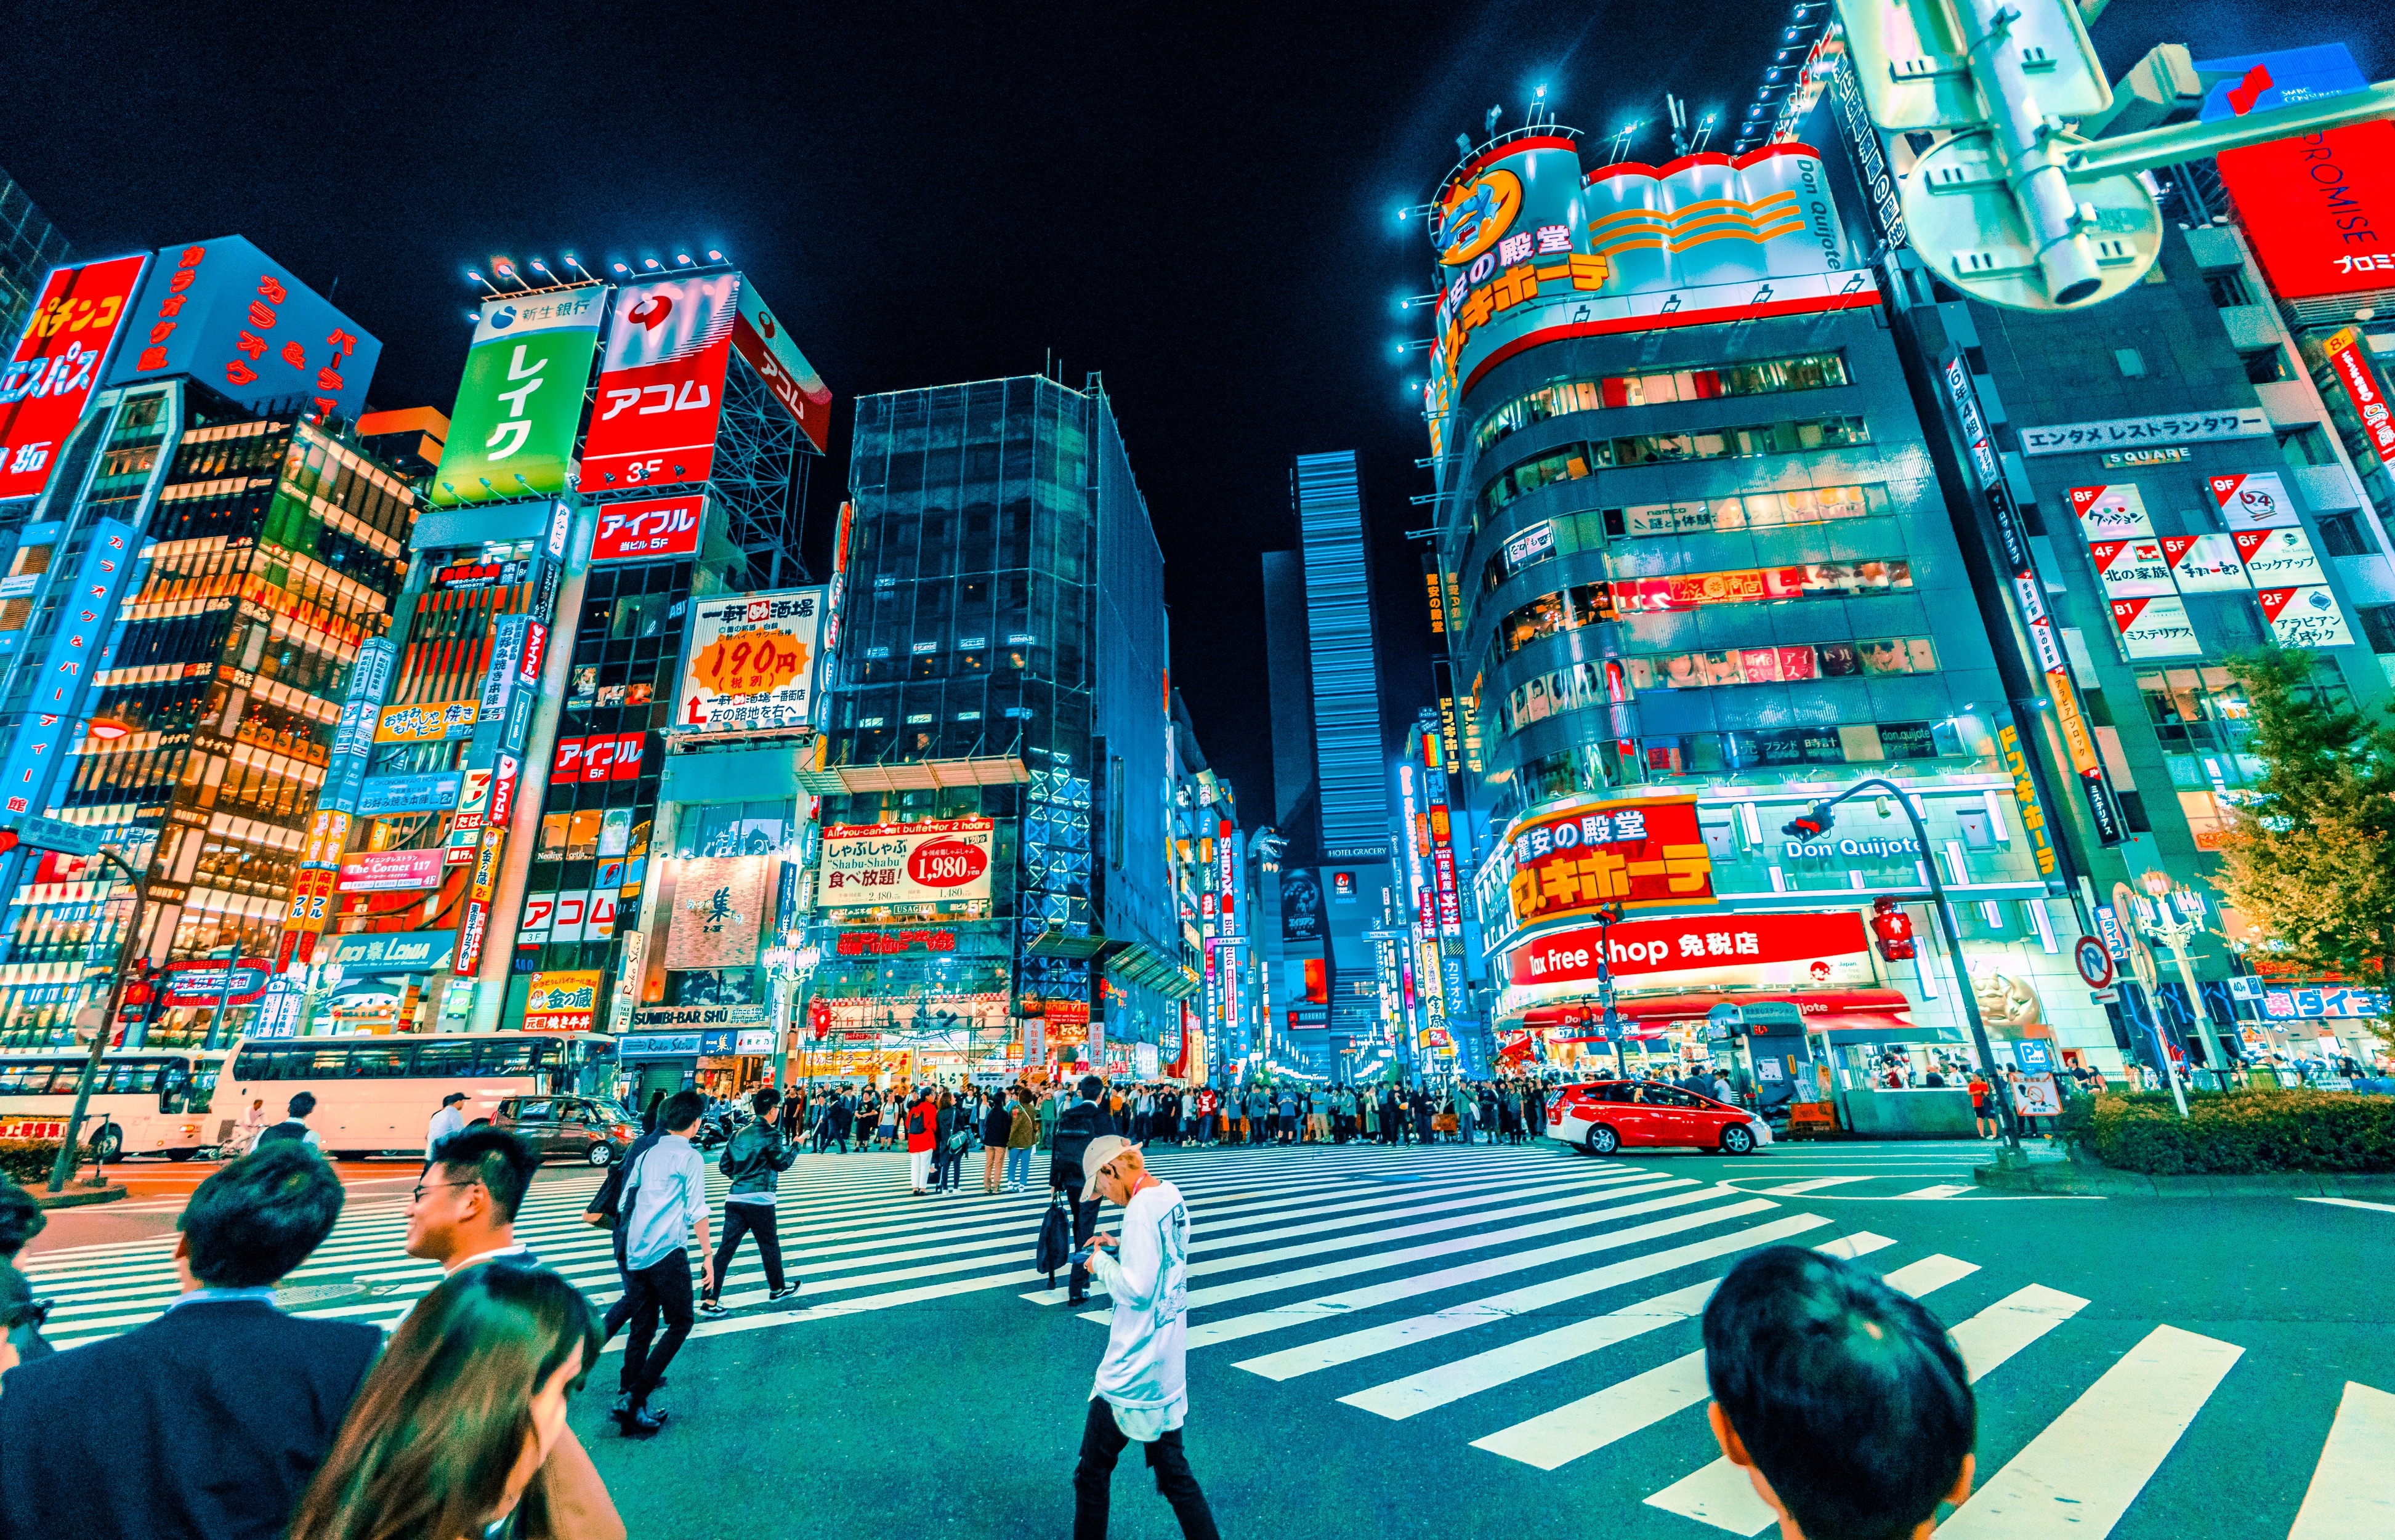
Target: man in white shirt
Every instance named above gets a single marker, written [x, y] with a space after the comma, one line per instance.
[447, 1124]
[1142, 1390]
[667, 1209]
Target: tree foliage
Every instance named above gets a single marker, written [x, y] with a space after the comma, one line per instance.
[2311, 861]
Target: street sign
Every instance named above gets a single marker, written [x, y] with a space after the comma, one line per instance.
[52, 833]
[1915, 59]
[2095, 963]
[2034, 1055]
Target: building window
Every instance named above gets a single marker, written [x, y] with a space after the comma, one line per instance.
[2342, 534]
[2132, 363]
[2266, 367]
[2227, 288]
[2304, 446]
[1574, 462]
[2378, 626]
[1764, 376]
[1755, 510]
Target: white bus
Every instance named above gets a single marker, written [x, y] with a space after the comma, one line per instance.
[143, 1102]
[374, 1094]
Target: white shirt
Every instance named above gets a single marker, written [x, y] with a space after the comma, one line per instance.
[1144, 1374]
[445, 1121]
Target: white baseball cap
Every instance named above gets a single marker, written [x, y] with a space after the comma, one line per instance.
[1104, 1150]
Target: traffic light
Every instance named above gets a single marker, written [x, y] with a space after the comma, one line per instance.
[819, 1018]
[1812, 824]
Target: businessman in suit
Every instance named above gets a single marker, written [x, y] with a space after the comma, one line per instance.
[219, 1411]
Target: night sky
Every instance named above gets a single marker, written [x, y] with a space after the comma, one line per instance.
[1197, 201]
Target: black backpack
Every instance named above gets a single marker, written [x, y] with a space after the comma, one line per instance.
[289, 1131]
[1054, 1248]
[608, 1204]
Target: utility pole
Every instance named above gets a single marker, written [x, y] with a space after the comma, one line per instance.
[64, 1166]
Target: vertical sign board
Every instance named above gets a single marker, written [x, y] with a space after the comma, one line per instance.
[2362, 388]
[757, 338]
[57, 365]
[2046, 641]
[312, 888]
[661, 386]
[1442, 837]
[227, 315]
[38, 747]
[521, 397]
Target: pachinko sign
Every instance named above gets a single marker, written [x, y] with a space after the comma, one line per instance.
[1642, 854]
[57, 365]
[941, 860]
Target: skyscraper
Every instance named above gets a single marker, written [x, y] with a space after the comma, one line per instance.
[30, 247]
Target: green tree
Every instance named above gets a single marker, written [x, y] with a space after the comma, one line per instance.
[2311, 861]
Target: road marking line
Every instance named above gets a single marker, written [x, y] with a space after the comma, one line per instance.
[1232, 1329]
[1556, 1437]
[2353, 1486]
[2077, 1477]
[1433, 1388]
[1721, 1495]
[1808, 1185]
[2350, 1203]
[1941, 1190]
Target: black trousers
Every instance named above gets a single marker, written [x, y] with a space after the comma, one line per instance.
[1085, 1224]
[661, 1289]
[1102, 1445]
[747, 1219]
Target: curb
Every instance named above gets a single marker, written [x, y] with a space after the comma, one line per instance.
[2075, 1180]
[79, 1197]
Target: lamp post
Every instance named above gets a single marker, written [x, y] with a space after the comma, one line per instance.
[64, 1166]
[787, 966]
[2173, 918]
[1818, 822]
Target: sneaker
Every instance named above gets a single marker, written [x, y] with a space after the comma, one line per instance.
[712, 1305]
[783, 1293]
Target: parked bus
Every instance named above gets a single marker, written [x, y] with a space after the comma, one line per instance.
[146, 1103]
[374, 1094]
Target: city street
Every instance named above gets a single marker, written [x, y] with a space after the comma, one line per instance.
[1455, 1342]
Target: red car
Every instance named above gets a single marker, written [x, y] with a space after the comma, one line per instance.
[1606, 1115]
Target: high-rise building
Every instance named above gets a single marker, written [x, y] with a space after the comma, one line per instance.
[261, 546]
[30, 247]
[1702, 575]
[1003, 695]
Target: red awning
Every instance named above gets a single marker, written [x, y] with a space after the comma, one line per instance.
[1653, 1016]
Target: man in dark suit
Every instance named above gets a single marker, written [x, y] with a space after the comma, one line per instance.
[219, 1411]
[1075, 1127]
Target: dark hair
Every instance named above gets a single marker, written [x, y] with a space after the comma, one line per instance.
[20, 1218]
[681, 1109]
[17, 1305]
[259, 1217]
[502, 1163]
[1090, 1087]
[1848, 1394]
[303, 1104]
[766, 1100]
[440, 1423]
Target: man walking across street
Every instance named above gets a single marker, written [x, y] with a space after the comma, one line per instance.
[293, 1129]
[666, 1211]
[1140, 1394]
[755, 1160]
[1076, 1127]
[447, 1124]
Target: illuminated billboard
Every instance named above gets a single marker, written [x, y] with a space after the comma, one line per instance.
[2320, 209]
[57, 365]
[759, 338]
[648, 528]
[232, 318]
[661, 386]
[751, 663]
[1638, 854]
[521, 397]
[1701, 239]
[937, 860]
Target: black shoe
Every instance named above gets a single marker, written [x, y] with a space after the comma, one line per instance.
[710, 1306]
[784, 1292]
[644, 1423]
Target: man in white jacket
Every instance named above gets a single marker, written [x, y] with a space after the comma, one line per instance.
[1142, 1392]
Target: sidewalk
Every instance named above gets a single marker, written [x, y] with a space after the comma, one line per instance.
[2054, 1172]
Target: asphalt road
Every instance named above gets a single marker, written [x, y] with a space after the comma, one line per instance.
[1463, 1343]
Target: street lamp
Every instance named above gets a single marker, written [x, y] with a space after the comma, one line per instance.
[64, 1166]
[1818, 822]
[787, 966]
[2173, 918]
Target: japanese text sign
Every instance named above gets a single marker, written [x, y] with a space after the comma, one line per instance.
[57, 365]
[941, 860]
[751, 661]
[1640, 854]
[757, 337]
[1748, 949]
[655, 527]
[521, 397]
[230, 316]
[2115, 433]
[661, 387]
[86, 612]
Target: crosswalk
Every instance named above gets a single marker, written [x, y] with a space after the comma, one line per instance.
[1535, 1310]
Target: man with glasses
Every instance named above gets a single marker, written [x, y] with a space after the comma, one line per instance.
[464, 1209]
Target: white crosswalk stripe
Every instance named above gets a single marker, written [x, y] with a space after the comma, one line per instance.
[1521, 1304]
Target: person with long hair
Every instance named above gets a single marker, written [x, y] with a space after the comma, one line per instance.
[456, 1419]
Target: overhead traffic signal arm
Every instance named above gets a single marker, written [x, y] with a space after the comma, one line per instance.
[2177, 143]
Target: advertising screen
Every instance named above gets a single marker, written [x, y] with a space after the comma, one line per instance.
[718, 907]
[521, 397]
[1740, 948]
[751, 662]
[1639, 854]
[57, 365]
[234, 318]
[661, 386]
[941, 860]
[757, 338]
[648, 528]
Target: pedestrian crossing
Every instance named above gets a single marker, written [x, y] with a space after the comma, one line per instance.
[1526, 1306]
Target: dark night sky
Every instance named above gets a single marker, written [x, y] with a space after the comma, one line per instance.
[1199, 206]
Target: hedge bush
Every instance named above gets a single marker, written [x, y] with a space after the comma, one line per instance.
[27, 1161]
[2242, 1133]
